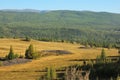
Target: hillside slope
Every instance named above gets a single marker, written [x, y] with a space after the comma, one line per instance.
[79, 26]
[31, 70]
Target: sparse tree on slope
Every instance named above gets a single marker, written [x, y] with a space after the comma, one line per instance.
[30, 53]
[11, 54]
[103, 55]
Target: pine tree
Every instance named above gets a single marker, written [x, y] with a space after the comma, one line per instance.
[11, 54]
[48, 74]
[103, 56]
[53, 73]
[29, 52]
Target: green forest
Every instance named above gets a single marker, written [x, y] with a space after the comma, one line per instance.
[94, 29]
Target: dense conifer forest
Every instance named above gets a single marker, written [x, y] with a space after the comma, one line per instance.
[94, 29]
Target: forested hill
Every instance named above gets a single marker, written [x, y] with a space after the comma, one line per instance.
[86, 27]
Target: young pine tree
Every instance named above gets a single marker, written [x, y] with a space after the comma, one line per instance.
[48, 74]
[30, 53]
[11, 54]
[103, 55]
[53, 73]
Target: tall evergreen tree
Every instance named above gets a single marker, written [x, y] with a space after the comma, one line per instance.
[30, 53]
[102, 57]
[11, 54]
[103, 54]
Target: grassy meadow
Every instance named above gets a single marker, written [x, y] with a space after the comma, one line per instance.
[30, 70]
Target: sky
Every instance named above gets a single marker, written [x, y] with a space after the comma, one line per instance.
[79, 5]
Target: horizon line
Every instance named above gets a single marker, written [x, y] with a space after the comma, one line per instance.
[57, 10]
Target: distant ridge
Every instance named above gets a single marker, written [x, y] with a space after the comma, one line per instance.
[44, 11]
[98, 28]
[23, 10]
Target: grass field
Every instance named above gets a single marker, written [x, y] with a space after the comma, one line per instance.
[28, 71]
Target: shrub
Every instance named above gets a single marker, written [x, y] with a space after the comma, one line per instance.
[35, 55]
[16, 56]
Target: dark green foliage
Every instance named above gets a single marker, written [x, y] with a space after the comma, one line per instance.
[11, 54]
[104, 71]
[30, 53]
[16, 56]
[103, 54]
[101, 58]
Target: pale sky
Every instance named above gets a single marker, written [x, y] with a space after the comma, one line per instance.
[91, 5]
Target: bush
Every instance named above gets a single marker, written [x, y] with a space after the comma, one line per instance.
[35, 55]
[16, 56]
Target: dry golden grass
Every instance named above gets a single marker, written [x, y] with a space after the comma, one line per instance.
[41, 63]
